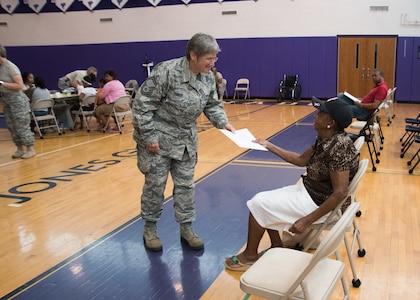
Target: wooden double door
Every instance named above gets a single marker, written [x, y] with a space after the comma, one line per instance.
[358, 57]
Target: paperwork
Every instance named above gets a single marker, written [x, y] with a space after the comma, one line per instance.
[243, 138]
[352, 97]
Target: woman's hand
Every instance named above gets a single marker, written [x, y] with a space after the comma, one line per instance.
[300, 226]
[153, 148]
[229, 127]
[262, 142]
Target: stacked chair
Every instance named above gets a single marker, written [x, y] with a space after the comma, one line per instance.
[411, 136]
[412, 129]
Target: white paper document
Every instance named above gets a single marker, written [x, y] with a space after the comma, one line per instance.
[352, 97]
[243, 138]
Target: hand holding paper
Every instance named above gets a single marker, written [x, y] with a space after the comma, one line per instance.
[243, 138]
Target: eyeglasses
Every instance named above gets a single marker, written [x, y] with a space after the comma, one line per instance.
[211, 59]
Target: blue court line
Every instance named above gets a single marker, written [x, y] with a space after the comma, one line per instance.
[118, 266]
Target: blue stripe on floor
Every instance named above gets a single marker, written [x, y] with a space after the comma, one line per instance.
[119, 267]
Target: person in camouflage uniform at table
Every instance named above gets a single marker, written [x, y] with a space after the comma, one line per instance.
[165, 111]
[16, 107]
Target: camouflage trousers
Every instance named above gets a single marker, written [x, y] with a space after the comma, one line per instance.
[156, 169]
[17, 112]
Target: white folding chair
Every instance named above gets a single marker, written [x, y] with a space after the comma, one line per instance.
[370, 129]
[358, 143]
[131, 87]
[242, 87]
[389, 105]
[42, 122]
[315, 230]
[283, 273]
[119, 114]
[85, 115]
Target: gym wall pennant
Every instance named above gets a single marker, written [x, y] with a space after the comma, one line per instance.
[63, 5]
[9, 5]
[119, 3]
[35, 5]
[90, 4]
[154, 2]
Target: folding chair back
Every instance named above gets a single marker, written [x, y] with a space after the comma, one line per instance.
[358, 143]
[242, 87]
[389, 105]
[371, 131]
[85, 115]
[131, 87]
[283, 273]
[41, 122]
[120, 110]
[315, 230]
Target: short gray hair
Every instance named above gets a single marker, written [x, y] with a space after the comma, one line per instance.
[3, 52]
[202, 44]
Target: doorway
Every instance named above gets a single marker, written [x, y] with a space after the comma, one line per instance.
[358, 57]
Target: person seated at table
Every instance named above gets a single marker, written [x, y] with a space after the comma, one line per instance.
[331, 163]
[112, 90]
[102, 82]
[85, 91]
[28, 80]
[28, 83]
[40, 92]
[220, 84]
[74, 79]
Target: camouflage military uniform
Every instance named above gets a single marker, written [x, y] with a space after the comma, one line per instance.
[16, 108]
[165, 111]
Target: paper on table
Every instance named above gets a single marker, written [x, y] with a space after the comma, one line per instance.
[352, 97]
[243, 138]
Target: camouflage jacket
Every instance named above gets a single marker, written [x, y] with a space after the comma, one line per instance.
[168, 104]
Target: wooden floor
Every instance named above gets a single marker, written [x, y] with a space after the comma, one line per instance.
[81, 186]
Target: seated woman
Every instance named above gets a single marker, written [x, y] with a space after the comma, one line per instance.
[28, 83]
[40, 92]
[112, 90]
[331, 164]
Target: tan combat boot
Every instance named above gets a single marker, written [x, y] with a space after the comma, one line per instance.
[188, 235]
[19, 152]
[151, 238]
[30, 152]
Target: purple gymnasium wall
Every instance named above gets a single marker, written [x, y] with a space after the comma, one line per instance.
[263, 60]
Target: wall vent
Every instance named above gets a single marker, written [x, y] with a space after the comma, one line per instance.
[379, 8]
[105, 19]
[229, 12]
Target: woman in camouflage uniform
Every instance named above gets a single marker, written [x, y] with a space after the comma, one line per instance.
[165, 111]
[16, 107]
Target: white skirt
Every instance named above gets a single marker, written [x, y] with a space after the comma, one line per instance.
[281, 208]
